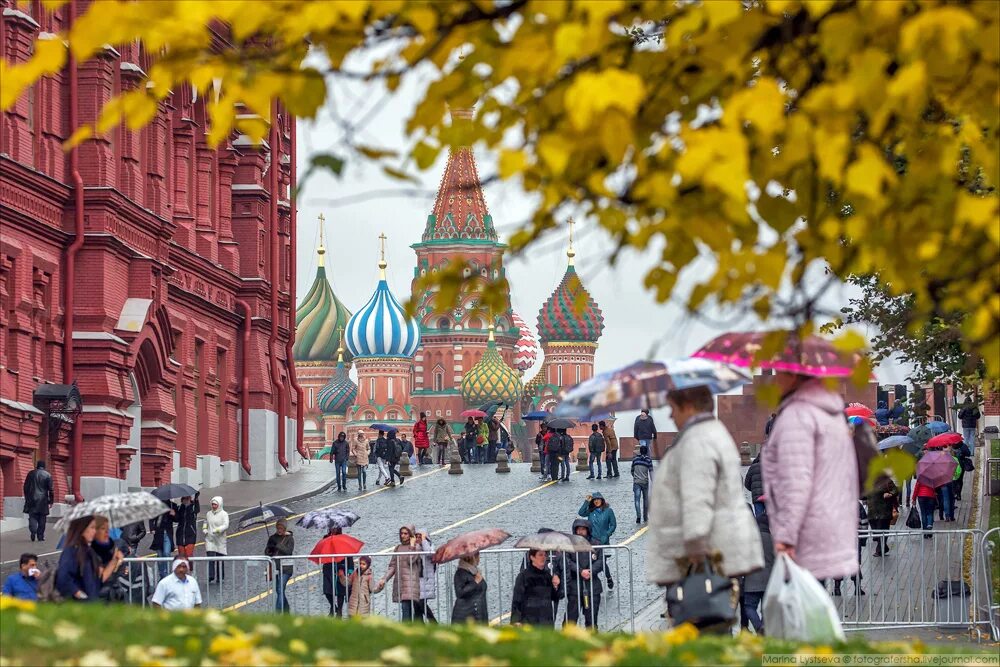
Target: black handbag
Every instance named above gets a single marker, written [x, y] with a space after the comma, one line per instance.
[913, 519]
[967, 464]
[702, 599]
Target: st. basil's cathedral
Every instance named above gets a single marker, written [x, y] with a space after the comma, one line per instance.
[440, 363]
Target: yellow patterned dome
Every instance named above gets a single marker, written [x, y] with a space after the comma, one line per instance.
[491, 379]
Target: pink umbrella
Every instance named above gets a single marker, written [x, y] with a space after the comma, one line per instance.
[936, 468]
[469, 543]
[812, 356]
[473, 413]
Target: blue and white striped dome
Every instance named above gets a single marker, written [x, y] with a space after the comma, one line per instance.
[381, 329]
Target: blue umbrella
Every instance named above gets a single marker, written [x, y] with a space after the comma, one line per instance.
[536, 416]
[645, 384]
[937, 428]
[383, 427]
[895, 441]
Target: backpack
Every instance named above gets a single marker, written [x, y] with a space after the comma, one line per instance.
[397, 450]
[866, 449]
[567, 444]
[47, 591]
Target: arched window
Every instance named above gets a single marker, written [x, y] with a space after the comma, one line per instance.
[369, 416]
[371, 388]
[392, 415]
[578, 373]
[389, 385]
[438, 381]
[443, 323]
[559, 377]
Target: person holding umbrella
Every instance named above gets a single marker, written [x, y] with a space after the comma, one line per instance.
[186, 517]
[482, 437]
[282, 543]
[335, 541]
[216, 525]
[381, 459]
[470, 586]
[537, 592]
[359, 450]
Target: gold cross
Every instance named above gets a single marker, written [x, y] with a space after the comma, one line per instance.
[571, 253]
[381, 262]
[322, 223]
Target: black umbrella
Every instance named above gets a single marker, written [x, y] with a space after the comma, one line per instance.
[560, 422]
[264, 514]
[491, 408]
[171, 491]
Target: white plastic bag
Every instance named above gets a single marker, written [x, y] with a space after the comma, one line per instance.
[797, 607]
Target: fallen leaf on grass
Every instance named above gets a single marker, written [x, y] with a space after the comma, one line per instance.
[486, 661]
[267, 630]
[574, 631]
[298, 646]
[66, 632]
[181, 630]
[488, 635]
[215, 619]
[232, 642]
[397, 655]
[447, 637]
[24, 618]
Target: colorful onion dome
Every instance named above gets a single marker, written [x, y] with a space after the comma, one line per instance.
[381, 328]
[491, 379]
[319, 319]
[339, 394]
[526, 348]
[570, 314]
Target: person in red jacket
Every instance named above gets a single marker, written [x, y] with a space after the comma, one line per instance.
[926, 499]
[420, 439]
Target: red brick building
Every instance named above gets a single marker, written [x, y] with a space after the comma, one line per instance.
[155, 257]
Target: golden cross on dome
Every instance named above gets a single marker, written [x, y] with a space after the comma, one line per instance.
[381, 262]
[340, 346]
[321, 250]
[571, 253]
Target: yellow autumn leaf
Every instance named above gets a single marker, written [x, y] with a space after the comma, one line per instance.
[397, 655]
[512, 162]
[296, 645]
[721, 12]
[591, 93]
[423, 18]
[850, 341]
[570, 41]
[869, 174]
[831, 153]
[554, 153]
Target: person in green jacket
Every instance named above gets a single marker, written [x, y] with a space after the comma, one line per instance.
[482, 439]
[602, 525]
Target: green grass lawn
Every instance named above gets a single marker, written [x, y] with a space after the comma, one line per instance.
[91, 635]
[994, 522]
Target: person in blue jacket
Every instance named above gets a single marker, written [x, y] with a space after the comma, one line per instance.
[23, 584]
[602, 524]
[78, 575]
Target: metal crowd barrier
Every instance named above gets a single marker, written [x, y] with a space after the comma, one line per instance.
[923, 581]
[238, 578]
[990, 551]
[252, 583]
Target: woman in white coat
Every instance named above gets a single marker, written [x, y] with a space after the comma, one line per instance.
[216, 525]
[428, 575]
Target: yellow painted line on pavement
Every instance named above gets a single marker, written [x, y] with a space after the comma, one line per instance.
[632, 538]
[313, 573]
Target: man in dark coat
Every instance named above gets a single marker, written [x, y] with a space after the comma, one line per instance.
[339, 452]
[492, 439]
[536, 592]
[186, 518]
[644, 429]
[595, 446]
[38, 498]
[755, 583]
[162, 528]
[770, 424]
[754, 483]
[583, 586]
[969, 414]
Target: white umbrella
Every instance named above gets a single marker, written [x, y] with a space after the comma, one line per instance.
[120, 509]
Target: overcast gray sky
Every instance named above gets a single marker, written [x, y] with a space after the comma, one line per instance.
[364, 202]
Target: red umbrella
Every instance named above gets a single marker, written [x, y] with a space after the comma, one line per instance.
[859, 410]
[473, 413]
[335, 544]
[469, 543]
[944, 440]
[812, 356]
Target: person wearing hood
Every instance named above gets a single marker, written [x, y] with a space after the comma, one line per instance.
[359, 602]
[644, 429]
[428, 574]
[642, 478]
[537, 592]
[755, 583]
[282, 543]
[603, 525]
[216, 525]
[187, 525]
[470, 592]
[404, 568]
[754, 483]
[698, 511]
[359, 450]
[179, 590]
[811, 448]
[583, 587]
[38, 498]
[340, 451]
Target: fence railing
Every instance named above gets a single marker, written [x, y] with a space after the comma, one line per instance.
[300, 585]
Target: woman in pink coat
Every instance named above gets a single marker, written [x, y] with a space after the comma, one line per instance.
[811, 479]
